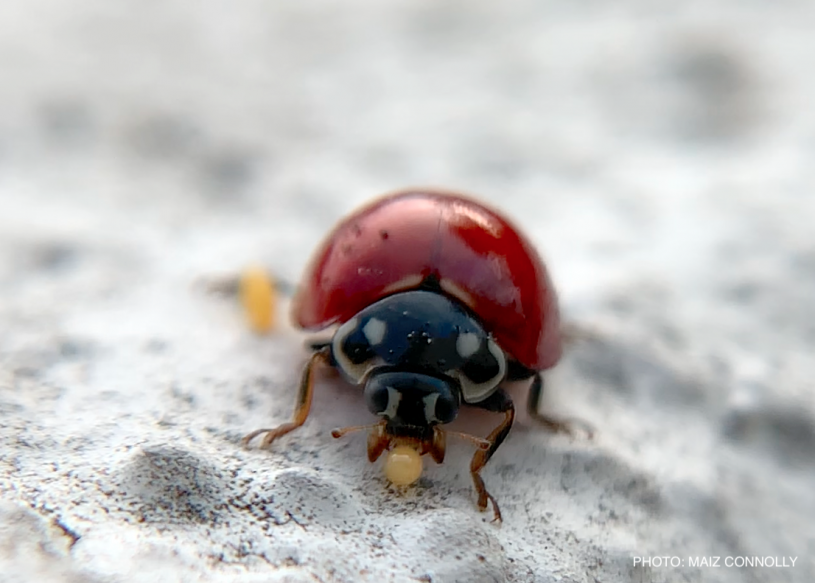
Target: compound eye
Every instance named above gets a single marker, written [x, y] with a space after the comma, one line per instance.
[381, 398]
[481, 372]
[444, 408]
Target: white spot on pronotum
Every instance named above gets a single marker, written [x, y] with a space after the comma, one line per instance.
[374, 331]
[394, 397]
[467, 344]
[430, 407]
[356, 373]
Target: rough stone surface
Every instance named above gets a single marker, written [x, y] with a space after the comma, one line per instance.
[660, 154]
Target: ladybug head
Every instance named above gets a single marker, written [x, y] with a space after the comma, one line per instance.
[411, 402]
[420, 355]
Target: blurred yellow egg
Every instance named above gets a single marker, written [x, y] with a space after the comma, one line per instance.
[258, 297]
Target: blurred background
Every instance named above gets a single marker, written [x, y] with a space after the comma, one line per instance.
[640, 134]
[660, 154]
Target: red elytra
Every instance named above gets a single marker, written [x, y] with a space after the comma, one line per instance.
[477, 256]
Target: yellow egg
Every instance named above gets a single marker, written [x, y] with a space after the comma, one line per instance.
[258, 296]
[403, 465]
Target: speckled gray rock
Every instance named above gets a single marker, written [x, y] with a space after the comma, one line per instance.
[660, 156]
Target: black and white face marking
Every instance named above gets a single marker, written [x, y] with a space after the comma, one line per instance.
[484, 366]
[408, 399]
[353, 347]
[424, 332]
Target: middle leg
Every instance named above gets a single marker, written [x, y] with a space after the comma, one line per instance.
[552, 423]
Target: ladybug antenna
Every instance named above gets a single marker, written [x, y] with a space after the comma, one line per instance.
[343, 431]
[479, 442]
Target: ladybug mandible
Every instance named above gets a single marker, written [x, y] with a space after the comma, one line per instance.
[438, 300]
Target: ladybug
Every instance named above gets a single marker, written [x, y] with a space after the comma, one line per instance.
[438, 300]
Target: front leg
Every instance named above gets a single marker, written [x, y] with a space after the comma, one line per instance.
[498, 402]
[302, 405]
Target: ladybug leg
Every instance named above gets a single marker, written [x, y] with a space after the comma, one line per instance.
[302, 406]
[566, 426]
[498, 402]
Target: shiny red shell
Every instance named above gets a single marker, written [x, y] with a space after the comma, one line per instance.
[478, 257]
